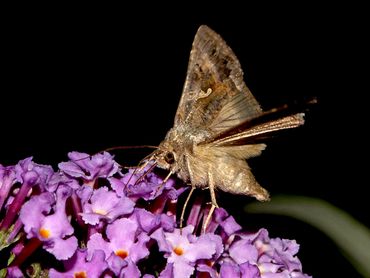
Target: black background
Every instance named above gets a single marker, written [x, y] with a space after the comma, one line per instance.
[90, 78]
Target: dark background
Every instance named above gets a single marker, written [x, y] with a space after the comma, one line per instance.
[92, 78]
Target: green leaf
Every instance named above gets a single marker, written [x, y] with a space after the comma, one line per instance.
[352, 237]
[4, 237]
[3, 273]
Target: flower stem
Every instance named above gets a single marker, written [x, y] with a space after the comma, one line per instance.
[17, 203]
[28, 249]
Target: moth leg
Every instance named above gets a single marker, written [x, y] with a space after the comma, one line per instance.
[190, 193]
[213, 202]
[163, 182]
[208, 219]
[184, 207]
[212, 190]
[139, 168]
[146, 162]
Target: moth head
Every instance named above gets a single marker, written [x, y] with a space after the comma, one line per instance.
[166, 157]
[167, 154]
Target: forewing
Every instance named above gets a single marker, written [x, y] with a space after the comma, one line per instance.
[253, 134]
[214, 95]
[254, 130]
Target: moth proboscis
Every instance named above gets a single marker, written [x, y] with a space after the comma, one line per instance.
[217, 125]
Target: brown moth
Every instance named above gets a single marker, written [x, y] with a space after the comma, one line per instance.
[218, 124]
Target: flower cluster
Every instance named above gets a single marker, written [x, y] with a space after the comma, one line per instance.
[89, 219]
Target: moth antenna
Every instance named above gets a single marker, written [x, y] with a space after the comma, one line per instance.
[129, 147]
[133, 173]
[122, 148]
[147, 159]
[150, 156]
[137, 168]
[126, 147]
[82, 158]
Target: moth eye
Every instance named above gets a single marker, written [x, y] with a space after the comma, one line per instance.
[169, 158]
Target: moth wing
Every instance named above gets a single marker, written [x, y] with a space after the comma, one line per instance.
[227, 168]
[214, 94]
[254, 130]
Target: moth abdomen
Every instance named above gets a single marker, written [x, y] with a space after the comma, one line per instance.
[241, 182]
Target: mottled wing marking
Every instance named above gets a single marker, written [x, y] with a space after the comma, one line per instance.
[215, 96]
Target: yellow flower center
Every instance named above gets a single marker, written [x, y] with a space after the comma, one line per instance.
[100, 211]
[44, 233]
[81, 274]
[261, 268]
[178, 250]
[121, 253]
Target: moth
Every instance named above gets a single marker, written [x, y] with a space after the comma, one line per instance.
[218, 125]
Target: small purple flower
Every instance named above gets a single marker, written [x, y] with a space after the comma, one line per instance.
[124, 245]
[146, 220]
[79, 266]
[130, 270]
[228, 224]
[14, 272]
[60, 178]
[54, 230]
[182, 249]
[278, 255]
[89, 167]
[35, 209]
[30, 175]
[44, 172]
[146, 185]
[149, 221]
[244, 270]
[271, 256]
[105, 204]
[7, 180]
[100, 222]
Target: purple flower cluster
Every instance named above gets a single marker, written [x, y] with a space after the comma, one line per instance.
[96, 221]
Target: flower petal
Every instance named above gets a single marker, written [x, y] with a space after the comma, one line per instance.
[63, 249]
[96, 242]
[242, 251]
[182, 269]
